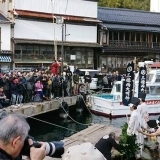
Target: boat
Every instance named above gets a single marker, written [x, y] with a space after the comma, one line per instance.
[112, 105]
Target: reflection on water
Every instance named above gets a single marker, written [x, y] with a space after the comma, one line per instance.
[46, 132]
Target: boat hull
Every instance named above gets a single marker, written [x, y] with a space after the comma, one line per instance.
[115, 109]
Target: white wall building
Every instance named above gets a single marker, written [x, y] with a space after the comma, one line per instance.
[155, 5]
[34, 32]
[5, 43]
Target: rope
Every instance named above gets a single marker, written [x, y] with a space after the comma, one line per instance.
[72, 118]
[47, 122]
[52, 124]
[86, 105]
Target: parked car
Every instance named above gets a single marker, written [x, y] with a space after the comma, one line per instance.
[93, 74]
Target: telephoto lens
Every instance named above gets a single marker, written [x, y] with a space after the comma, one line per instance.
[53, 149]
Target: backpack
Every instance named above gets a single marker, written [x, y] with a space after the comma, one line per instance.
[37, 98]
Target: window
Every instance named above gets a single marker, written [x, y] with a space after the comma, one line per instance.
[93, 74]
[154, 38]
[17, 49]
[36, 50]
[157, 78]
[78, 57]
[24, 50]
[110, 35]
[121, 36]
[29, 49]
[144, 37]
[115, 35]
[132, 37]
[154, 90]
[149, 77]
[17, 52]
[118, 87]
[138, 37]
[127, 36]
[104, 38]
[90, 57]
[42, 49]
[49, 50]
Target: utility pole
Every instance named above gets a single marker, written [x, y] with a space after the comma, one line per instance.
[62, 47]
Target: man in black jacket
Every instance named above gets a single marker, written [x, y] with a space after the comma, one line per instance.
[105, 144]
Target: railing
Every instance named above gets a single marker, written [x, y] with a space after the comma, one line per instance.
[129, 44]
[33, 57]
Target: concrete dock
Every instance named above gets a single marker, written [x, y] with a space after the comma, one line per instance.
[36, 108]
[91, 134]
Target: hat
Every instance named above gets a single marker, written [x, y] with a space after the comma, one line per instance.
[84, 151]
[142, 95]
[135, 101]
[152, 123]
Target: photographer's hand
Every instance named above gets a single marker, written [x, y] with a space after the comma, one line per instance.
[37, 153]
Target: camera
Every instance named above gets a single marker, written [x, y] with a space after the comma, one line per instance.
[53, 149]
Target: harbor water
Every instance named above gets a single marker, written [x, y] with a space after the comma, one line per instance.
[48, 132]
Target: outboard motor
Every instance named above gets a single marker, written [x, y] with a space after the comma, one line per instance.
[63, 110]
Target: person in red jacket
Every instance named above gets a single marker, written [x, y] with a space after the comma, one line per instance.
[54, 67]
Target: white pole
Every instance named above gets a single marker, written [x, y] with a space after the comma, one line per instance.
[55, 44]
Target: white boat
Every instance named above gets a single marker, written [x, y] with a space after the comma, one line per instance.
[111, 105]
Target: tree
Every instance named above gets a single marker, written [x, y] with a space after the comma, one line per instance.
[128, 145]
[129, 4]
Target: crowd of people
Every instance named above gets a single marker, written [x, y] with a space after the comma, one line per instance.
[19, 87]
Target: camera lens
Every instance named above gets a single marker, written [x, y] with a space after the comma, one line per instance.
[54, 149]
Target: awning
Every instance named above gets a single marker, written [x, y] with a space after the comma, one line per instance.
[131, 27]
[5, 59]
[74, 44]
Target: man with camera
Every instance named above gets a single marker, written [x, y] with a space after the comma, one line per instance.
[13, 133]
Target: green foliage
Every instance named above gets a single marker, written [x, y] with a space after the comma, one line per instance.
[130, 4]
[128, 147]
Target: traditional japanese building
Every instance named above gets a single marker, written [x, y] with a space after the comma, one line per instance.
[125, 34]
[5, 44]
[43, 30]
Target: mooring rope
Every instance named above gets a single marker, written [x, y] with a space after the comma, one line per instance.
[86, 104]
[72, 118]
[45, 122]
[51, 124]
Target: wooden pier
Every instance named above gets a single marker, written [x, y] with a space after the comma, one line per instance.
[91, 134]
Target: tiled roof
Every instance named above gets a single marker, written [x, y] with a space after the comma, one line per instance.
[125, 27]
[128, 16]
[41, 15]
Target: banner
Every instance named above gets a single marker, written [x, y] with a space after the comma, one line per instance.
[128, 84]
[142, 79]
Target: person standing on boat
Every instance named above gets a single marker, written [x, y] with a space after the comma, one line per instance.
[135, 121]
[105, 144]
[143, 109]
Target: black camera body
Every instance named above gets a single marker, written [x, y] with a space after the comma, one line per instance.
[53, 149]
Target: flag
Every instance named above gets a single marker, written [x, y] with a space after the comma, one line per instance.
[127, 91]
[142, 79]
